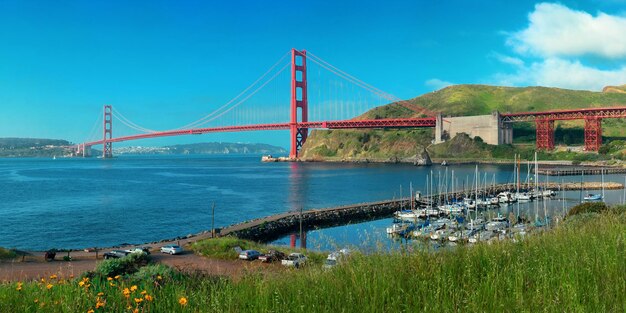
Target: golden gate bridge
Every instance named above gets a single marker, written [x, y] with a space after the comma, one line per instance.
[298, 120]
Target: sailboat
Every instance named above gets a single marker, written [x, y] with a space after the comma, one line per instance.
[596, 196]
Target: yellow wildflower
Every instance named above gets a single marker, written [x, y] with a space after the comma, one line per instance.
[19, 286]
[81, 283]
[100, 294]
[182, 301]
[99, 303]
[138, 300]
[117, 277]
[144, 292]
[149, 297]
[50, 286]
[133, 287]
[159, 277]
[43, 280]
[111, 284]
[90, 311]
[109, 278]
[53, 276]
[126, 292]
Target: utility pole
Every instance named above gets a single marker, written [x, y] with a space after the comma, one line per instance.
[301, 227]
[213, 220]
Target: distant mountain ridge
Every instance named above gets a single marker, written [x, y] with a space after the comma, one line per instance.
[205, 148]
[33, 147]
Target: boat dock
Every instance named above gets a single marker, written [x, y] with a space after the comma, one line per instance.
[580, 171]
[273, 227]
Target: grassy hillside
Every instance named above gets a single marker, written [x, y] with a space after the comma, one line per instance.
[462, 100]
[577, 267]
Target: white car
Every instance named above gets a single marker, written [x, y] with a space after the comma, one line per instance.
[172, 249]
[294, 259]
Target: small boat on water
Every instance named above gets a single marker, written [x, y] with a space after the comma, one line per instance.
[406, 215]
[497, 224]
[593, 197]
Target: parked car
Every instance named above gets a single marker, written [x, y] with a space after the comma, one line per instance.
[271, 256]
[249, 255]
[145, 250]
[294, 259]
[115, 254]
[335, 258]
[172, 249]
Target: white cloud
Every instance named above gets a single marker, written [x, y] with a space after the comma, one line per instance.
[517, 62]
[555, 30]
[437, 84]
[556, 72]
[558, 39]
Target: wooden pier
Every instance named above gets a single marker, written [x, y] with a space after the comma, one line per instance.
[580, 171]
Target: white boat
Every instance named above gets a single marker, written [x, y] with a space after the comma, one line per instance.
[451, 209]
[522, 196]
[497, 224]
[395, 229]
[406, 215]
[505, 197]
[593, 197]
[469, 203]
[494, 201]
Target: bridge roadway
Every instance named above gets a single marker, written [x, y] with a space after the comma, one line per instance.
[342, 124]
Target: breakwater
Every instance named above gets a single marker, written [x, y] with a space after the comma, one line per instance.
[273, 227]
[581, 171]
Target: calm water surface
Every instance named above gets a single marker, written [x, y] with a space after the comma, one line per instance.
[78, 203]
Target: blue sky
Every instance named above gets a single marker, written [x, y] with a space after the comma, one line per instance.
[167, 63]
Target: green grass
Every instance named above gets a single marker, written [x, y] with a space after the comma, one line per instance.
[6, 254]
[224, 248]
[577, 267]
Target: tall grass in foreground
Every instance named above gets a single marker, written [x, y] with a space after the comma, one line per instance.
[578, 267]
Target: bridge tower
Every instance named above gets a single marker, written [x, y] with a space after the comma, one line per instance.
[593, 133]
[545, 134]
[107, 146]
[298, 100]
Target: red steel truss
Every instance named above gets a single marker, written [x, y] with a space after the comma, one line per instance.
[545, 123]
[593, 133]
[577, 114]
[545, 134]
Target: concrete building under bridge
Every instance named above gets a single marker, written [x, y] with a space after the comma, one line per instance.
[490, 128]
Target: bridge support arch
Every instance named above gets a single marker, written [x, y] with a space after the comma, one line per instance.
[593, 133]
[107, 133]
[298, 101]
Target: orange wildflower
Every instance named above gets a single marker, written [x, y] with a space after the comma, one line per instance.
[133, 287]
[182, 301]
[149, 297]
[50, 286]
[138, 300]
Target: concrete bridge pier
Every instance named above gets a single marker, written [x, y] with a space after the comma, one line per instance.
[490, 128]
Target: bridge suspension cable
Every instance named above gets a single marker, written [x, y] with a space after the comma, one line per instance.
[129, 123]
[333, 69]
[210, 117]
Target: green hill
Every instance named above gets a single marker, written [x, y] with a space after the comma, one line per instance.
[462, 100]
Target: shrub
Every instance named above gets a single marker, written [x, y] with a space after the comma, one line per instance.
[588, 207]
[122, 266]
[153, 271]
[7, 254]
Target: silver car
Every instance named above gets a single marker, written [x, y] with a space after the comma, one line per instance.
[172, 249]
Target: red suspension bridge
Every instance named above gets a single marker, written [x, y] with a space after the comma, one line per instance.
[298, 120]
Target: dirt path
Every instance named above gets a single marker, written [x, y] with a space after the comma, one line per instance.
[34, 267]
